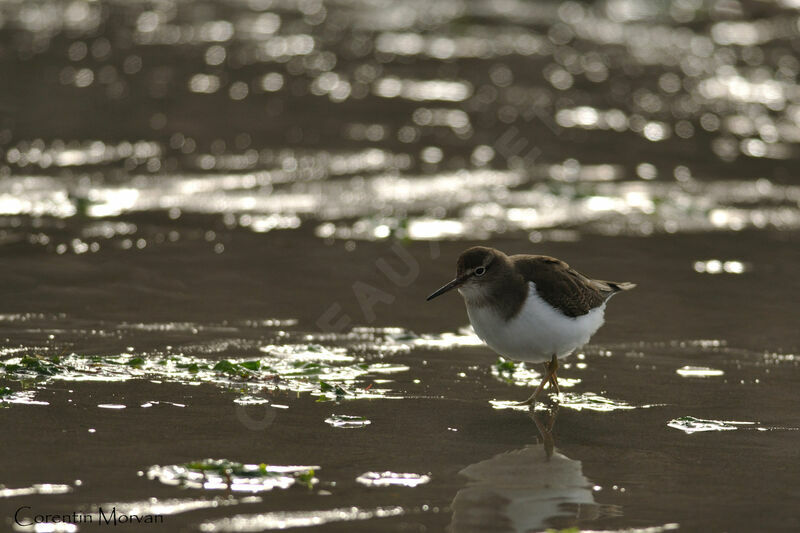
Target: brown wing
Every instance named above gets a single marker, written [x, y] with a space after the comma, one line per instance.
[563, 287]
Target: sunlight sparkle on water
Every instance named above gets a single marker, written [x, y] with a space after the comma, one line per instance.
[25, 397]
[690, 424]
[156, 506]
[698, 372]
[715, 266]
[292, 519]
[43, 488]
[386, 479]
[421, 90]
[223, 475]
[347, 421]
[578, 401]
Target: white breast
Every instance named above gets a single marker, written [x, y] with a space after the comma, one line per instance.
[537, 332]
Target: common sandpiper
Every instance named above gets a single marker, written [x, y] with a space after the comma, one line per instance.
[531, 308]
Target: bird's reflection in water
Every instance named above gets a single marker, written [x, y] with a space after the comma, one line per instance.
[527, 489]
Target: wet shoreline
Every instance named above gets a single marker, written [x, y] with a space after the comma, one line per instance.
[447, 414]
[219, 222]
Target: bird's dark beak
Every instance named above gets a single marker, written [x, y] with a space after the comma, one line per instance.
[452, 285]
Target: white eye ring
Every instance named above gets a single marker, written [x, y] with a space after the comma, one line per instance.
[480, 271]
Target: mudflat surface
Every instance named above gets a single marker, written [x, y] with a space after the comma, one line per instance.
[219, 222]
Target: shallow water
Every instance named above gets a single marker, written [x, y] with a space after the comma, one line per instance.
[219, 222]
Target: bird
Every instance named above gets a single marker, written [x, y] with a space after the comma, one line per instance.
[531, 308]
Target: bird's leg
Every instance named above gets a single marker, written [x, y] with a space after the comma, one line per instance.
[549, 377]
[533, 397]
[552, 367]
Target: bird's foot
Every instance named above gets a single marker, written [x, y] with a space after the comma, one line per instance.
[549, 378]
[531, 399]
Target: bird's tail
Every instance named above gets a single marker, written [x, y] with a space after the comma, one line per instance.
[610, 288]
[621, 285]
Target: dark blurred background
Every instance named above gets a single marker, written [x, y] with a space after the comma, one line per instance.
[183, 182]
[424, 120]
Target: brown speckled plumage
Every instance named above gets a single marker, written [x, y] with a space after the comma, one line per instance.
[557, 283]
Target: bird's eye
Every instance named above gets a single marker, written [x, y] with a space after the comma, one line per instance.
[480, 271]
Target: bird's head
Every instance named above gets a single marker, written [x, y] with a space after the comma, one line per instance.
[477, 268]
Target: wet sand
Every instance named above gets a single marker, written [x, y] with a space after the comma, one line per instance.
[435, 418]
[219, 222]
